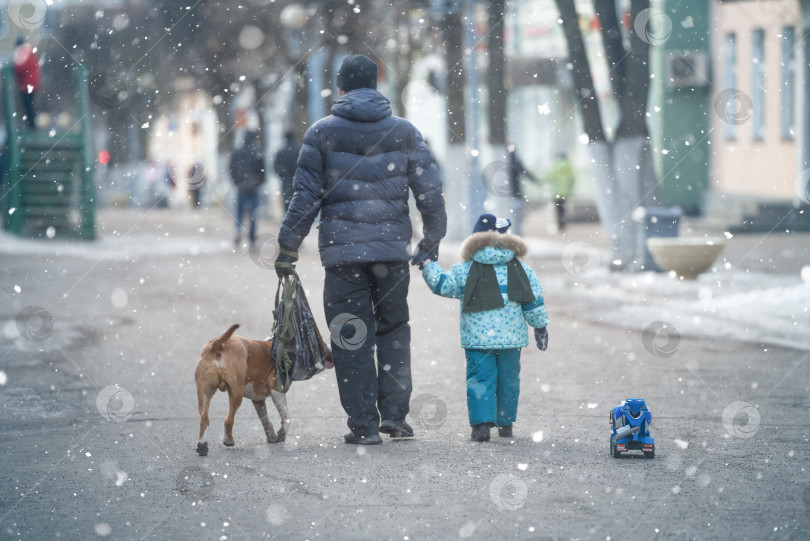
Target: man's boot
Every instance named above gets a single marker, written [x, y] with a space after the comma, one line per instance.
[396, 429]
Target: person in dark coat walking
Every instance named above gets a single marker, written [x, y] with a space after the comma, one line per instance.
[284, 165]
[247, 172]
[356, 168]
[516, 170]
[28, 74]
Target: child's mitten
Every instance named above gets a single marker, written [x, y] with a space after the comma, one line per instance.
[541, 335]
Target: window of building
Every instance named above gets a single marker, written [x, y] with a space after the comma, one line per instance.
[758, 84]
[788, 90]
[729, 80]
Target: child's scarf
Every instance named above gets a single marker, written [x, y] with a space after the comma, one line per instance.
[482, 291]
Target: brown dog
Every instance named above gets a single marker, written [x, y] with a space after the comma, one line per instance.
[245, 368]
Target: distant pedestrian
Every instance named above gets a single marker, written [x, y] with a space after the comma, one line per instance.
[247, 173]
[196, 179]
[284, 166]
[516, 170]
[156, 190]
[562, 178]
[26, 69]
[169, 176]
[499, 296]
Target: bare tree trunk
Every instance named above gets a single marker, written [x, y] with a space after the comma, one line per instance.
[453, 30]
[299, 120]
[623, 169]
[583, 81]
[632, 157]
[614, 49]
[635, 87]
[404, 60]
[501, 203]
[600, 150]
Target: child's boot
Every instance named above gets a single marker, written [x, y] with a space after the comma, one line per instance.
[481, 432]
[505, 431]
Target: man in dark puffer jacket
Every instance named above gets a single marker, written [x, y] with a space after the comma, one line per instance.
[355, 169]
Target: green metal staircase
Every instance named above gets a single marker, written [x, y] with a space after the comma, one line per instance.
[48, 180]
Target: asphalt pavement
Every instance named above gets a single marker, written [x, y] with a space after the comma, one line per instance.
[98, 411]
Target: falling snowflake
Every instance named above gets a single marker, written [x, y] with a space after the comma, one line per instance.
[544, 109]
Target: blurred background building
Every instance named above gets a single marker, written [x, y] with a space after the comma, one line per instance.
[176, 84]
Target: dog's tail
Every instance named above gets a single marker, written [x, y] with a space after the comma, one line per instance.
[217, 345]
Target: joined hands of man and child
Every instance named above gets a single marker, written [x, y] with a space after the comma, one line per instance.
[425, 252]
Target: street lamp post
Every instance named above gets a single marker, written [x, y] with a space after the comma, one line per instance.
[476, 186]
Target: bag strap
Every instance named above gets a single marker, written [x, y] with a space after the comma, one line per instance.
[285, 327]
[284, 331]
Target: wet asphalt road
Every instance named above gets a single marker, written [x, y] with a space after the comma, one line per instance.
[98, 416]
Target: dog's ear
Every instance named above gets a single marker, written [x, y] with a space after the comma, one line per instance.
[217, 345]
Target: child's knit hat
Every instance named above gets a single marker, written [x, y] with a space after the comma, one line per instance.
[488, 222]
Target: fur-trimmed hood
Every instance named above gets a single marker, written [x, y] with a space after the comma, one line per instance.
[492, 239]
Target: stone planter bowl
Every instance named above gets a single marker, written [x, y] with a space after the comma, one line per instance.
[687, 256]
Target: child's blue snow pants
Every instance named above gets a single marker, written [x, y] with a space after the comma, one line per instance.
[493, 385]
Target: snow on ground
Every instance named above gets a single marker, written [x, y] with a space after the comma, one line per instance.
[745, 306]
[115, 247]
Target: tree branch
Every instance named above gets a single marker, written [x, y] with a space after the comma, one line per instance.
[612, 39]
[583, 81]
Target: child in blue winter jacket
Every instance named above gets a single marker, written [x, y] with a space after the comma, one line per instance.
[499, 295]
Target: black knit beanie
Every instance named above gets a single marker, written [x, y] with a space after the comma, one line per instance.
[357, 71]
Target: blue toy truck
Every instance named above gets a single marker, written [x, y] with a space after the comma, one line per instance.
[629, 425]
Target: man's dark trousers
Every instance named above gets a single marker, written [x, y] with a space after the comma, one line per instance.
[370, 299]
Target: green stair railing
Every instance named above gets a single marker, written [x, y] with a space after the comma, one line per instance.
[48, 176]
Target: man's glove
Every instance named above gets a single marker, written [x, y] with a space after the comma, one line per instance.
[284, 262]
[425, 250]
[541, 335]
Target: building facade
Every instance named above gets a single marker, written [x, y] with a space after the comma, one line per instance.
[754, 132]
[759, 160]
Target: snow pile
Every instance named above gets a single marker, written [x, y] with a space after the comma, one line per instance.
[744, 306]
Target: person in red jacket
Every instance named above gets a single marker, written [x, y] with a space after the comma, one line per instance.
[26, 69]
